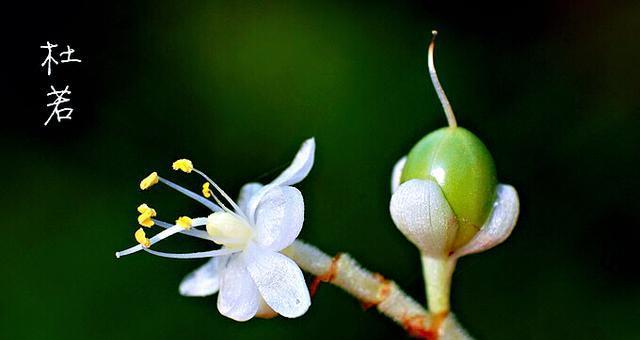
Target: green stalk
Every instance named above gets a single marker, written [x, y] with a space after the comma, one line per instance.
[437, 276]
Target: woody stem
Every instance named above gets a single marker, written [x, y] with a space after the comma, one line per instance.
[374, 290]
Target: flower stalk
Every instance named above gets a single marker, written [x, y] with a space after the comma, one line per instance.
[437, 276]
[373, 289]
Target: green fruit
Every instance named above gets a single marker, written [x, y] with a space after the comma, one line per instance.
[463, 167]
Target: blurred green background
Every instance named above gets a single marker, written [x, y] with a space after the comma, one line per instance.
[550, 87]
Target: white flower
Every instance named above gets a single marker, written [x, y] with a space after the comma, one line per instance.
[421, 212]
[249, 272]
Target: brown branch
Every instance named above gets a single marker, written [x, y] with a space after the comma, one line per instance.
[373, 289]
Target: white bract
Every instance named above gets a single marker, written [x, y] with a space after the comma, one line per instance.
[251, 275]
[422, 213]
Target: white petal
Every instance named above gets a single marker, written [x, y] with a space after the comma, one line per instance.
[301, 165]
[397, 173]
[205, 280]
[265, 312]
[296, 172]
[239, 298]
[499, 225]
[279, 218]
[279, 280]
[423, 215]
[248, 190]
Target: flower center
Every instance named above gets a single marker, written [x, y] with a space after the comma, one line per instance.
[229, 229]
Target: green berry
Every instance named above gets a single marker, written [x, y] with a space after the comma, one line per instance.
[463, 167]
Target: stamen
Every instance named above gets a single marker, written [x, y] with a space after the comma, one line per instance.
[191, 194]
[193, 232]
[199, 221]
[224, 194]
[206, 192]
[184, 222]
[187, 166]
[183, 164]
[128, 251]
[141, 237]
[146, 213]
[143, 207]
[198, 255]
[149, 181]
[146, 243]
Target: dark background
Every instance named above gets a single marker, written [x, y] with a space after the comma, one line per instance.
[551, 88]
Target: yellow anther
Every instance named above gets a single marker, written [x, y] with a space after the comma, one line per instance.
[149, 181]
[145, 222]
[143, 207]
[183, 164]
[146, 213]
[206, 192]
[184, 222]
[141, 237]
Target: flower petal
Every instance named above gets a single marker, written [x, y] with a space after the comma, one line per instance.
[397, 173]
[265, 312]
[499, 225]
[296, 172]
[246, 192]
[239, 298]
[279, 280]
[422, 213]
[301, 165]
[205, 280]
[279, 218]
